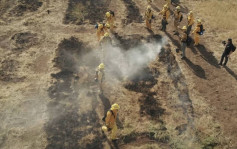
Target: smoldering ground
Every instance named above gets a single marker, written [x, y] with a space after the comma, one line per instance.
[71, 93]
[120, 63]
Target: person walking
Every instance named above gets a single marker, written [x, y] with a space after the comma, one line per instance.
[229, 49]
[110, 121]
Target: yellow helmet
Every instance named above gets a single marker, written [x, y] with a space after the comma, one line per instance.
[178, 7]
[106, 34]
[199, 21]
[148, 8]
[184, 28]
[190, 12]
[101, 66]
[107, 14]
[104, 128]
[107, 25]
[166, 6]
[115, 106]
[100, 26]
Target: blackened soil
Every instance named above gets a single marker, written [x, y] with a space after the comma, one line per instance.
[133, 14]
[68, 128]
[24, 40]
[26, 6]
[80, 11]
[8, 68]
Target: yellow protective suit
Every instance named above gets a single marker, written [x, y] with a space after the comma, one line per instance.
[148, 16]
[190, 20]
[100, 31]
[100, 74]
[168, 2]
[110, 123]
[196, 35]
[177, 16]
[165, 12]
[110, 18]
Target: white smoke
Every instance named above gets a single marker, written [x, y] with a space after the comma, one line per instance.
[130, 62]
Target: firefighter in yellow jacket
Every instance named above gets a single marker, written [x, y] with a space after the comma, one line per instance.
[168, 2]
[106, 28]
[165, 15]
[99, 31]
[177, 18]
[110, 18]
[148, 17]
[110, 122]
[100, 75]
[196, 32]
[106, 40]
[190, 22]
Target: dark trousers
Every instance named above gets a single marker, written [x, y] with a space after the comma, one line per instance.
[163, 23]
[189, 29]
[183, 47]
[224, 55]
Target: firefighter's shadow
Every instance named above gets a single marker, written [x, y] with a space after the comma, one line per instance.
[208, 56]
[107, 106]
[174, 41]
[231, 72]
[197, 70]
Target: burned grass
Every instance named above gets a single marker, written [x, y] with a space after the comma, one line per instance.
[21, 41]
[68, 127]
[8, 69]
[80, 11]
[21, 7]
[133, 14]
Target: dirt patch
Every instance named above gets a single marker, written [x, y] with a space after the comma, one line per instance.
[80, 11]
[21, 41]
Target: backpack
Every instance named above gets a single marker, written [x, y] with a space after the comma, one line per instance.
[181, 18]
[103, 119]
[111, 12]
[96, 26]
[234, 48]
[201, 30]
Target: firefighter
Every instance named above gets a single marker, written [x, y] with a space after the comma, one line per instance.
[148, 16]
[110, 121]
[177, 18]
[99, 75]
[99, 31]
[106, 39]
[165, 15]
[190, 22]
[110, 18]
[168, 2]
[197, 32]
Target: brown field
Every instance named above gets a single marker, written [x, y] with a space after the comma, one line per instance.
[49, 99]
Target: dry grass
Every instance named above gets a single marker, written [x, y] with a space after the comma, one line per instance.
[219, 18]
